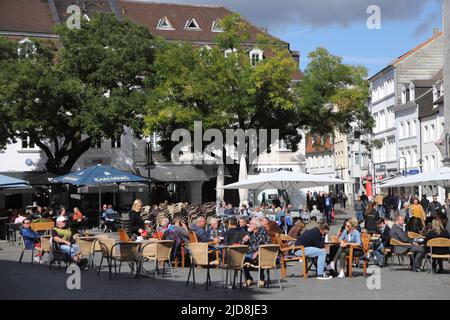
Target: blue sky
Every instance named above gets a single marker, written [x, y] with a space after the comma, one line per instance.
[340, 25]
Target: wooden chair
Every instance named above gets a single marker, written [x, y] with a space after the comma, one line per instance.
[42, 226]
[267, 260]
[437, 243]
[200, 258]
[413, 235]
[395, 245]
[159, 251]
[234, 261]
[123, 236]
[365, 239]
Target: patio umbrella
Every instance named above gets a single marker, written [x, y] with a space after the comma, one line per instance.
[219, 185]
[284, 180]
[243, 192]
[98, 175]
[8, 182]
[440, 177]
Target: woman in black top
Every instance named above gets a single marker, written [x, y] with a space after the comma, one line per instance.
[437, 231]
[136, 223]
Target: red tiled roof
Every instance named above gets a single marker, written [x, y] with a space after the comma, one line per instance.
[26, 16]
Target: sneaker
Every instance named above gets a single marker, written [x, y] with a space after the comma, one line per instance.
[324, 277]
[262, 284]
[249, 282]
[341, 275]
[37, 260]
[330, 266]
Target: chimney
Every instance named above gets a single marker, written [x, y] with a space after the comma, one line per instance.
[436, 31]
[265, 29]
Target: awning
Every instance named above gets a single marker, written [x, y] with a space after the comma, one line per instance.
[173, 173]
[34, 178]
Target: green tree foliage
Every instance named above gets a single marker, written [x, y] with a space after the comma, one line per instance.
[90, 89]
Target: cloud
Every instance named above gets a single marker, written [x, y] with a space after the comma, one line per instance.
[280, 14]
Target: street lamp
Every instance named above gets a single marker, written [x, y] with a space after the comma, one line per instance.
[405, 173]
[150, 165]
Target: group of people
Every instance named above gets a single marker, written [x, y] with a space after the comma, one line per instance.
[427, 219]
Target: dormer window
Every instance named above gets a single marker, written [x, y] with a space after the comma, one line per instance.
[435, 93]
[164, 24]
[256, 55]
[26, 48]
[216, 27]
[192, 25]
[403, 94]
[412, 92]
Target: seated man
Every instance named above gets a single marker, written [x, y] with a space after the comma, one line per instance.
[316, 213]
[257, 236]
[314, 243]
[379, 246]
[234, 235]
[399, 234]
[30, 238]
[63, 236]
[229, 211]
[200, 230]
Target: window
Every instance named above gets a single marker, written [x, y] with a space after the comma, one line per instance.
[407, 129]
[403, 94]
[26, 48]
[413, 128]
[164, 24]
[216, 27]
[425, 134]
[414, 157]
[432, 162]
[357, 159]
[116, 143]
[435, 93]
[321, 162]
[401, 133]
[283, 146]
[27, 143]
[192, 25]
[256, 55]
[412, 92]
[432, 136]
[426, 163]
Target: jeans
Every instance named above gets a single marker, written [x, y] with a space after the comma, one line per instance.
[248, 276]
[344, 253]
[312, 252]
[360, 215]
[70, 250]
[378, 253]
[328, 214]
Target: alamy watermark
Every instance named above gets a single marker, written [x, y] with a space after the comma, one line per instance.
[74, 20]
[236, 144]
[74, 280]
[374, 20]
[374, 280]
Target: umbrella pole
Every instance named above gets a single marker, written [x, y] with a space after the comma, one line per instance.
[99, 204]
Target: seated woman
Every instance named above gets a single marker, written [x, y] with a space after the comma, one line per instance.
[415, 225]
[30, 238]
[274, 232]
[161, 230]
[437, 231]
[350, 236]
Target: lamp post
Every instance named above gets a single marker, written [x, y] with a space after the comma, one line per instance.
[150, 165]
[405, 173]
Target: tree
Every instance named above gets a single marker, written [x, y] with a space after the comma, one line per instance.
[333, 96]
[90, 89]
[200, 84]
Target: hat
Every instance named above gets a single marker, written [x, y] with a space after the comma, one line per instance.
[60, 219]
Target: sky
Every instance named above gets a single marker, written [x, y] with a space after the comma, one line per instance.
[341, 26]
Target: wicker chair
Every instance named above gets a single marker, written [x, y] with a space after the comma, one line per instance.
[437, 243]
[267, 260]
[87, 248]
[107, 250]
[200, 258]
[129, 253]
[234, 261]
[395, 245]
[159, 251]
